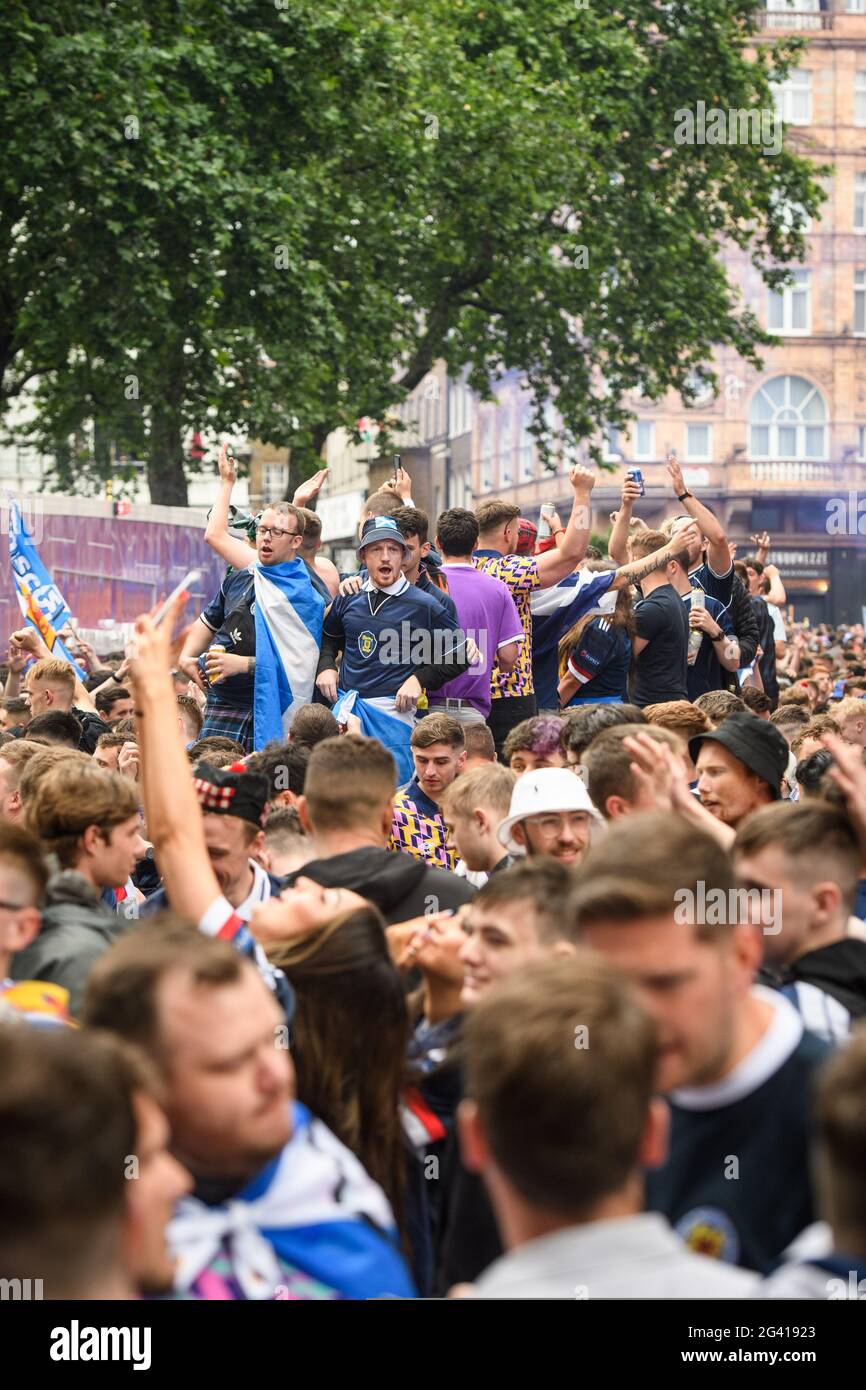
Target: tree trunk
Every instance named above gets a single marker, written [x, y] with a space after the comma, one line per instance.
[165, 473]
[166, 476]
[305, 459]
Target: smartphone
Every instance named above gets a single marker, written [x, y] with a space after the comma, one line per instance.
[182, 588]
[398, 464]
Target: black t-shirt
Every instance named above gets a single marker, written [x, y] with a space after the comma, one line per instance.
[92, 727]
[662, 666]
[767, 639]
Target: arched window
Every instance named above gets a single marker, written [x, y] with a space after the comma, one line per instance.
[788, 420]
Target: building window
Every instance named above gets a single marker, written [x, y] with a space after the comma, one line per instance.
[789, 309]
[861, 444]
[525, 447]
[788, 420]
[612, 444]
[793, 215]
[645, 440]
[855, 7]
[701, 389]
[506, 445]
[275, 480]
[461, 408]
[794, 14]
[860, 301]
[794, 98]
[699, 443]
[860, 202]
[860, 97]
[486, 452]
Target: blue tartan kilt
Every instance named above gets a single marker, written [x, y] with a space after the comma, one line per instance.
[231, 721]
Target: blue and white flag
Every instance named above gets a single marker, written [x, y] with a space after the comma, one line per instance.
[41, 602]
[312, 1209]
[288, 613]
[554, 611]
[381, 719]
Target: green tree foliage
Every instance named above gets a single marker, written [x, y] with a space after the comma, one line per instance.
[273, 218]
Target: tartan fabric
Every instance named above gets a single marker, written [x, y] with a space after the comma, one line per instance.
[230, 721]
[213, 798]
[424, 837]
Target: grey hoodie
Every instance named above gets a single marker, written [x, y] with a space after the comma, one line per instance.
[76, 929]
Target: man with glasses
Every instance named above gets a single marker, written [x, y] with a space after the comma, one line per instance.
[552, 816]
[219, 653]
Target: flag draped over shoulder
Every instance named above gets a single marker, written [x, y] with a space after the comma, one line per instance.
[554, 611]
[313, 1209]
[41, 602]
[288, 614]
[380, 719]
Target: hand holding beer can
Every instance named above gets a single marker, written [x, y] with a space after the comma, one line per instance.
[218, 649]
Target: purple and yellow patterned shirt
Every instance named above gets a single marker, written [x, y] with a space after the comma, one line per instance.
[520, 574]
[419, 829]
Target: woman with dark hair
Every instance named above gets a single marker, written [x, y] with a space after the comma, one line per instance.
[350, 1035]
[595, 656]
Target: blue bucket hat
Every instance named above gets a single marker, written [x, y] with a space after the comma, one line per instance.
[382, 528]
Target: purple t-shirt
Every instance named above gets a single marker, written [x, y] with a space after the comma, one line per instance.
[488, 614]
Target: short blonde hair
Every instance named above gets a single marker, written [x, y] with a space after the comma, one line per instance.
[50, 671]
[489, 786]
[852, 707]
[16, 756]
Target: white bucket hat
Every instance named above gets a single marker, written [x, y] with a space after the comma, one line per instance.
[549, 790]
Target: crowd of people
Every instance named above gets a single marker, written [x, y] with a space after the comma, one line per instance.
[524, 959]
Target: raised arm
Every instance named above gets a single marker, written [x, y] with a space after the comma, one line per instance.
[555, 565]
[16, 660]
[27, 639]
[718, 551]
[234, 551]
[617, 546]
[637, 570]
[309, 489]
[171, 806]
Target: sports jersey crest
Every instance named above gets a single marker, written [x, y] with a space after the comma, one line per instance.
[367, 643]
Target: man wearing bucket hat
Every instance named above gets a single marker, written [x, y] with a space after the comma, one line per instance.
[551, 815]
[740, 766]
[379, 630]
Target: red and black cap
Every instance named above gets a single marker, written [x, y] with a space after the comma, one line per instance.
[232, 791]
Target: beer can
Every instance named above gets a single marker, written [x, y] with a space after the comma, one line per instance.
[637, 477]
[215, 647]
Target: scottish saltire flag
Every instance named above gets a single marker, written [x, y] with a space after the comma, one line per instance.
[381, 719]
[312, 1211]
[41, 602]
[288, 614]
[554, 611]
